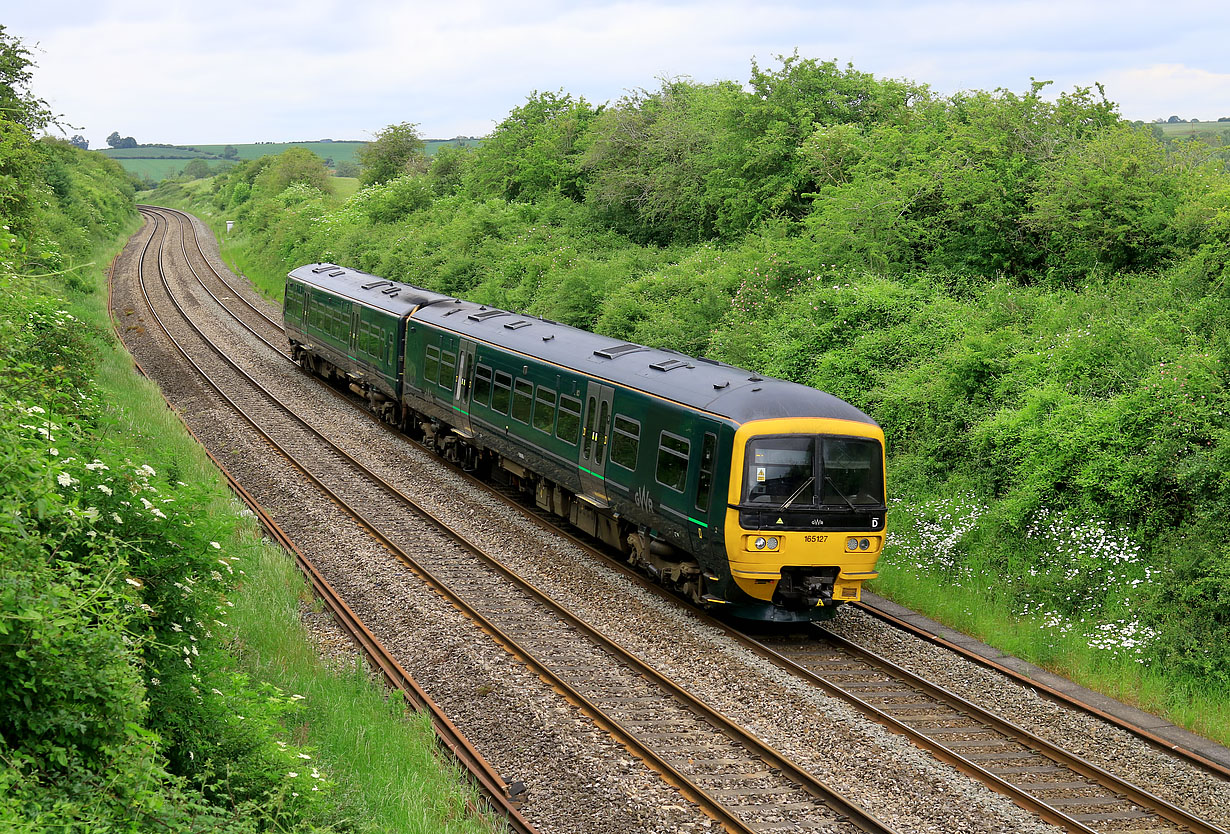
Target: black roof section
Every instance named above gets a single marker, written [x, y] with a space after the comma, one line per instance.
[705, 384]
[390, 296]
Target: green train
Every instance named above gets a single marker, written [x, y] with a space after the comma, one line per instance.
[759, 497]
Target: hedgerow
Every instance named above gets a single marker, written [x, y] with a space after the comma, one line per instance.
[1028, 292]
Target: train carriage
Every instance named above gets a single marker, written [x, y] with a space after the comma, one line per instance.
[756, 495]
[350, 326]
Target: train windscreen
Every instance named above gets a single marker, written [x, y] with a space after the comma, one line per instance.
[786, 471]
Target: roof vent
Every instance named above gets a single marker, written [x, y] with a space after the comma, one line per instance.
[617, 351]
[718, 386]
[669, 365]
[323, 268]
[371, 285]
[337, 272]
[517, 325]
[485, 314]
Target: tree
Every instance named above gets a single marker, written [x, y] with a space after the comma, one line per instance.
[116, 141]
[80, 141]
[294, 165]
[651, 157]
[535, 151]
[197, 169]
[17, 103]
[230, 152]
[398, 150]
[346, 169]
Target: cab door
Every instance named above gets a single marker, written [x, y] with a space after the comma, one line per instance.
[595, 437]
[463, 388]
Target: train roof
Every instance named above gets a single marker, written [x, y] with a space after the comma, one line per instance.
[704, 384]
[389, 296]
[716, 387]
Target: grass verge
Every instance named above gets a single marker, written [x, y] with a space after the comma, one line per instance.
[383, 758]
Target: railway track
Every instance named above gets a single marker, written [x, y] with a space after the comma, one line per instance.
[730, 773]
[1057, 786]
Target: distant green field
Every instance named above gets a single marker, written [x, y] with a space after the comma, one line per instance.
[158, 163]
[1195, 129]
[345, 186]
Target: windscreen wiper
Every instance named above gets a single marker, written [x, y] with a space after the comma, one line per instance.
[798, 492]
[849, 503]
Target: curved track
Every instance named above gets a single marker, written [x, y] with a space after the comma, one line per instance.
[729, 772]
[1056, 785]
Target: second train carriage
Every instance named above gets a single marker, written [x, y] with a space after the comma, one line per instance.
[755, 495]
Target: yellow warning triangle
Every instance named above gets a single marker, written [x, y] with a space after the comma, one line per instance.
[779, 521]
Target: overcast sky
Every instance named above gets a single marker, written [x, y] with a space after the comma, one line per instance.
[282, 70]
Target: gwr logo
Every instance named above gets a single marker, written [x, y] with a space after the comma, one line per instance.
[643, 499]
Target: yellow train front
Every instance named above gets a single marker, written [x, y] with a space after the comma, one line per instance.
[806, 515]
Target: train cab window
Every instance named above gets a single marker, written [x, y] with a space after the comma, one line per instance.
[568, 427]
[501, 395]
[673, 461]
[482, 385]
[448, 369]
[625, 442]
[781, 471]
[853, 473]
[523, 399]
[704, 484]
[544, 409]
[431, 364]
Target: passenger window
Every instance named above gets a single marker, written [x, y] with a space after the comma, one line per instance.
[705, 483]
[523, 399]
[569, 424]
[625, 442]
[502, 394]
[482, 385]
[672, 461]
[431, 365]
[448, 369]
[544, 410]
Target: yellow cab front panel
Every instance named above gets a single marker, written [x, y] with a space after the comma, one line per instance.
[806, 513]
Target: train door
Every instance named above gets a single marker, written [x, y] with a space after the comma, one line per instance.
[354, 330]
[594, 440]
[464, 387]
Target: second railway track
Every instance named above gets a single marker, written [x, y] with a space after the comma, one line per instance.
[751, 785]
[729, 772]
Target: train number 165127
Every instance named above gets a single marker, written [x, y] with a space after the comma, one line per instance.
[816, 539]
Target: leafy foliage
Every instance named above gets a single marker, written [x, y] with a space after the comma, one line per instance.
[1027, 292]
[398, 150]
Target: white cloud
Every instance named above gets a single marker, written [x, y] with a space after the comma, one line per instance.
[298, 69]
[1164, 90]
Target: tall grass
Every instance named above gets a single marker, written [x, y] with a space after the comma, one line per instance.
[938, 561]
[382, 757]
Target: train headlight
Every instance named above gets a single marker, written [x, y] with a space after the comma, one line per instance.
[863, 544]
[851, 544]
[761, 543]
[773, 542]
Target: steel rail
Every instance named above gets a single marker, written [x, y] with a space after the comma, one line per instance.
[1144, 733]
[672, 775]
[1152, 738]
[1141, 797]
[491, 784]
